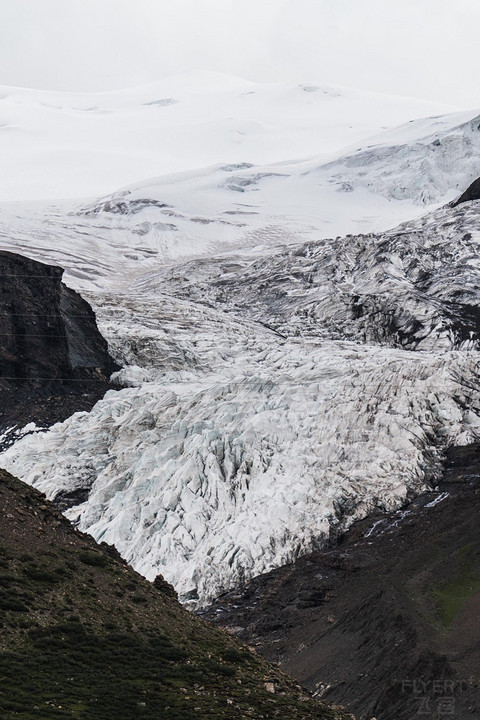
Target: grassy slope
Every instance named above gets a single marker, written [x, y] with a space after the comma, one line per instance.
[84, 636]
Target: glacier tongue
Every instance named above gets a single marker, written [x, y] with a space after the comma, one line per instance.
[237, 447]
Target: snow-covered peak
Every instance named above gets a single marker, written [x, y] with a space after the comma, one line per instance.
[110, 241]
[66, 145]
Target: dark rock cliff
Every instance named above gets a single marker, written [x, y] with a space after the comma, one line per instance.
[471, 193]
[53, 359]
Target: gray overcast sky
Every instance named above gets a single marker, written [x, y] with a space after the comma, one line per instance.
[423, 48]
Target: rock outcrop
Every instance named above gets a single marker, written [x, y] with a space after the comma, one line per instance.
[53, 359]
[471, 193]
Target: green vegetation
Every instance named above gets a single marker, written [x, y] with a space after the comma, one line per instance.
[451, 596]
[83, 636]
[95, 559]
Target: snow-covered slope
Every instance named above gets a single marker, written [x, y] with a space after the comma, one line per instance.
[375, 184]
[387, 179]
[57, 145]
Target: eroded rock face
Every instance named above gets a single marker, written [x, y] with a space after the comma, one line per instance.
[53, 359]
[471, 193]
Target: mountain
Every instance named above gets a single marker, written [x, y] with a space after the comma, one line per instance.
[84, 636]
[288, 280]
[388, 178]
[272, 366]
[107, 243]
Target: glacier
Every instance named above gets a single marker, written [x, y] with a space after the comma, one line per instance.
[265, 412]
[298, 340]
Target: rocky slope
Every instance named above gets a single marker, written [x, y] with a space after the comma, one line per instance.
[53, 359]
[83, 636]
[385, 621]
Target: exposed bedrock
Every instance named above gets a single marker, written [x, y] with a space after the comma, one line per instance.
[471, 193]
[53, 359]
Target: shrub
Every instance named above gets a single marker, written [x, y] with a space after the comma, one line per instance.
[92, 558]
